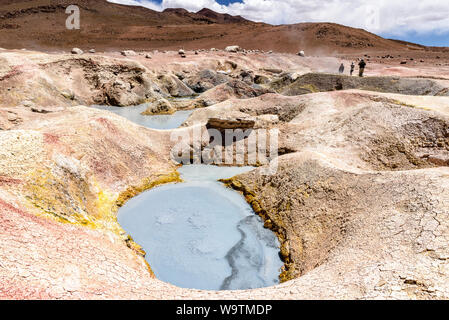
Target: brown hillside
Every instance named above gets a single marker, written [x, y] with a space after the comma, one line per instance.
[40, 24]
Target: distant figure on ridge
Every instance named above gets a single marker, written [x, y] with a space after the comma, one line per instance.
[342, 68]
[352, 68]
[362, 66]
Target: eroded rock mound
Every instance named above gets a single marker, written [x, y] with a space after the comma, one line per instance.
[70, 81]
[365, 130]
[205, 80]
[173, 86]
[334, 225]
[232, 89]
[317, 82]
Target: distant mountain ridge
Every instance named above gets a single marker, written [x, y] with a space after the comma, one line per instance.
[207, 15]
[221, 18]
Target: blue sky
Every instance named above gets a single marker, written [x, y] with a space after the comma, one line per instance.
[428, 39]
[224, 2]
[420, 21]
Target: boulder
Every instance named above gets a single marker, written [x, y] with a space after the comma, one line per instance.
[77, 51]
[266, 120]
[46, 109]
[230, 123]
[161, 106]
[27, 104]
[261, 79]
[301, 53]
[68, 95]
[148, 56]
[92, 51]
[232, 64]
[128, 53]
[180, 76]
[233, 49]
[232, 89]
[294, 76]
[247, 76]
[205, 80]
[173, 86]
[275, 71]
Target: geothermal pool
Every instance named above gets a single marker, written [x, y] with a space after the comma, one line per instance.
[160, 122]
[202, 235]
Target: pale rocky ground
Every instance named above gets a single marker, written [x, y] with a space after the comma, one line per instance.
[360, 199]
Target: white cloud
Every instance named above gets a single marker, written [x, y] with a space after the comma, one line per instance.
[144, 3]
[395, 17]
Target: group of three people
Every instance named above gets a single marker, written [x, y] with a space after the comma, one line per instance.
[362, 65]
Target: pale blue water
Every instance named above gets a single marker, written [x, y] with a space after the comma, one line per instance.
[160, 122]
[200, 234]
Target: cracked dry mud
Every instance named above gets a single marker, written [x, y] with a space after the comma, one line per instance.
[360, 199]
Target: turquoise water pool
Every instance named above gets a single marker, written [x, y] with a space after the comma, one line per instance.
[200, 234]
[160, 122]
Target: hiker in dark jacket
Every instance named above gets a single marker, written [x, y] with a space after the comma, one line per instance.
[352, 68]
[362, 66]
[342, 68]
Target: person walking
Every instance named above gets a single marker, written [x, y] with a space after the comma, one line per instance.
[362, 66]
[342, 68]
[352, 68]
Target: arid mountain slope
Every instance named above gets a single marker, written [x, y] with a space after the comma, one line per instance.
[40, 24]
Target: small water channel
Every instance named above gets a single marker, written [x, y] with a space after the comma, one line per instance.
[199, 234]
